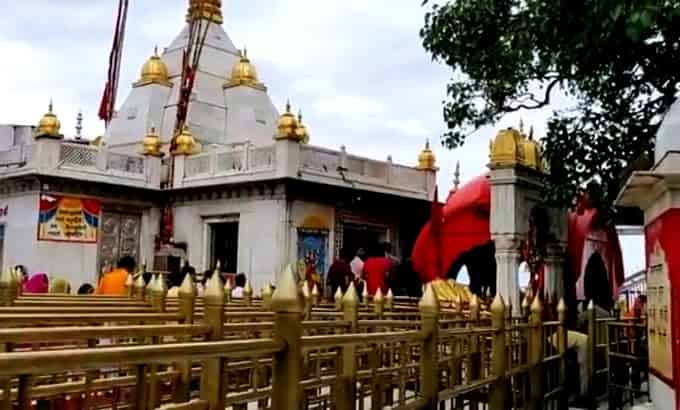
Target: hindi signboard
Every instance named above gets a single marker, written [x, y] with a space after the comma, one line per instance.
[68, 219]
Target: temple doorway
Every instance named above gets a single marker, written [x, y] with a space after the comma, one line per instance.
[224, 245]
[119, 236]
[596, 282]
[357, 236]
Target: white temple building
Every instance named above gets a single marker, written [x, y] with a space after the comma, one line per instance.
[243, 182]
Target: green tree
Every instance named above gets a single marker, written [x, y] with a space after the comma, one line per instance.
[617, 60]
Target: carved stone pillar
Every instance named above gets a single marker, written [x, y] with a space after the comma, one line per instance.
[507, 266]
[553, 284]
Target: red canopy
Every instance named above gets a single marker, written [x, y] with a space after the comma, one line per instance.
[464, 226]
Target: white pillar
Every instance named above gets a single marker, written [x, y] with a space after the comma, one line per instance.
[507, 266]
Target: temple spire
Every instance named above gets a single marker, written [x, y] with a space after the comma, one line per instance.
[210, 10]
[456, 177]
[79, 125]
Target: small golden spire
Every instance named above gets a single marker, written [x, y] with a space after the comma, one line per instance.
[185, 144]
[210, 10]
[315, 290]
[429, 303]
[506, 150]
[498, 305]
[151, 144]
[561, 306]
[389, 299]
[267, 290]
[287, 126]
[378, 297]
[214, 292]
[285, 298]
[228, 287]
[301, 131]
[187, 288]
[139, 283]
[350, 299]
[243, 72]
[427, 160]
[49, 125]
[536, 305]
[154, 71]
[338, 298]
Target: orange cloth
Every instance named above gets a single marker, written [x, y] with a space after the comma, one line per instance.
[113, 283]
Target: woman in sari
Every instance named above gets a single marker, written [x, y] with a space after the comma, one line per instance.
[38, 283]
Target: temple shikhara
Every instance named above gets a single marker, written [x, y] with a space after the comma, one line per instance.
[234, 180]
[227, 253]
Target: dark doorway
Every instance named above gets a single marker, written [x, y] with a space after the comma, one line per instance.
[224, 245]
[596, 283]
[362, 236]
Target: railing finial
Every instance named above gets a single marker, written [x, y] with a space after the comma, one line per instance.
[285, 298]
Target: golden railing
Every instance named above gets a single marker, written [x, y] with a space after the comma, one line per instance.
[283, 351]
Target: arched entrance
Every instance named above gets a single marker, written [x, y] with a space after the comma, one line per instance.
[596, 282]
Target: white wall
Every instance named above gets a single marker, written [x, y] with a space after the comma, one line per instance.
[74, 262]
[260, 237]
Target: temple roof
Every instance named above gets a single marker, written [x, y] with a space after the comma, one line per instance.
[217, 115]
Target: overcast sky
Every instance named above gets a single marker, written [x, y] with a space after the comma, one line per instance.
[356, 68]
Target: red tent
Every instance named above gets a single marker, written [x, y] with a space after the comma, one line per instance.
[465, 225]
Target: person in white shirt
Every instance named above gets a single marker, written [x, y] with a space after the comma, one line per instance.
[357, 264]
[240, 283]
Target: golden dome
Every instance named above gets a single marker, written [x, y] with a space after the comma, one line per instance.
[244, 73]
[151, 145]
[426, 160]
[210, 10]
[49, 125]
[287, 126]
[154, 71]
[301, 131]
[505, 149]
[184, 142]
[531, 151]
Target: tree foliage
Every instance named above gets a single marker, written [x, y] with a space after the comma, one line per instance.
[617, 60]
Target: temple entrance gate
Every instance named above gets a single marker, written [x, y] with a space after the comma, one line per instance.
[119, 236]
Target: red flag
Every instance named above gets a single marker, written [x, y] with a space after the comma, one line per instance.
[104, 113]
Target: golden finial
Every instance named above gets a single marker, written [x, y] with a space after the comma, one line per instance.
[427, 160]
[151, 145]
[525, 302]
[429, 303]
[267, 290]
[214, 292]
[591, 305]
[378, 297]
[531, 152]
[154, 71]
[185, 143]
[506, 150]
[49, 125]
[243, 72]
[561, 306]
[338, 298]
[350, 299]
[536, 305]
[315, 290]
[210, 10]
[498, 305]
[287, 125]
[139, 283]
[389, 299]
[227, 286]
[285, 298]
[248, 288]
[187, 288]
[301, 131]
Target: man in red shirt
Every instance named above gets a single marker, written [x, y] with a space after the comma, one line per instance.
[376, 268]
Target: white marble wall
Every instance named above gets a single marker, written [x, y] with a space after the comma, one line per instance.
[261, 233]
